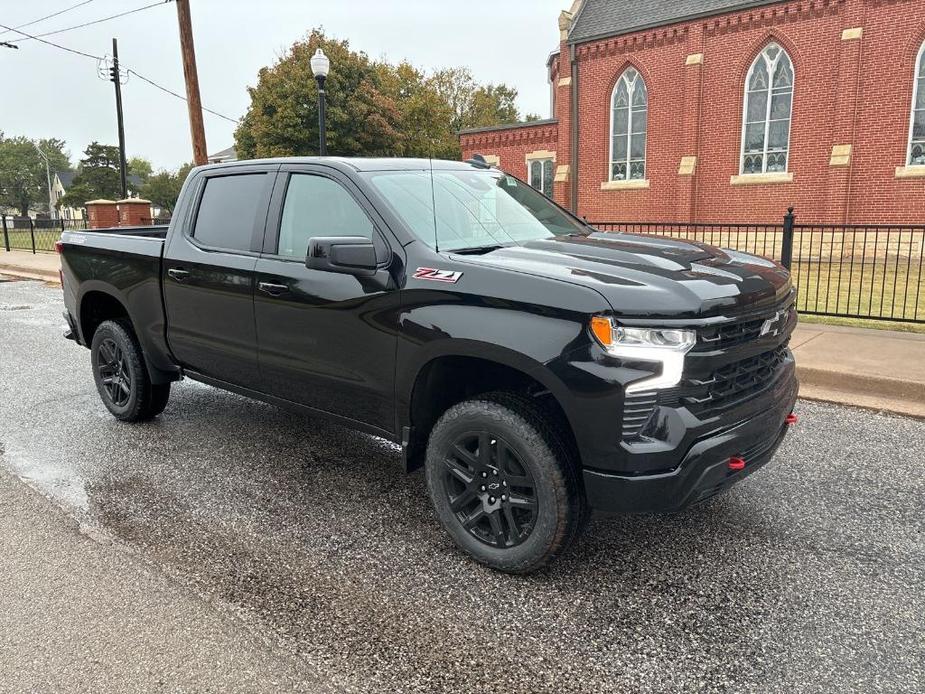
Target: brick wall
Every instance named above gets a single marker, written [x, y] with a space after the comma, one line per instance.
[853, 62]
[511, 145]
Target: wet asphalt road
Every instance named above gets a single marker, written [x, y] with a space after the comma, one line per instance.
[808, 577]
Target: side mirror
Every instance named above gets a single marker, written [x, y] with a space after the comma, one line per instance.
[348, 255]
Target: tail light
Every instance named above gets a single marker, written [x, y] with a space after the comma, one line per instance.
[59, 247]
[792, 419]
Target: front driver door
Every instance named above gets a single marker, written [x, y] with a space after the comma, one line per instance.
[325, 340]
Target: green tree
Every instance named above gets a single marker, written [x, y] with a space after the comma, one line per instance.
[283, 115]
[163, 187]
[139, 166]
[373, 108]
[97, 176]
[23, 176]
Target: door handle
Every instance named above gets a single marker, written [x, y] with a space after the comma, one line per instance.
[179, 274]
[272, 289]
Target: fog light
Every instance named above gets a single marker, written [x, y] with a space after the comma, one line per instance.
[736, 464]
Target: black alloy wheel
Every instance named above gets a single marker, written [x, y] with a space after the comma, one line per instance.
[491, 491]
[121, 376]
[114, 373]
[504, 482]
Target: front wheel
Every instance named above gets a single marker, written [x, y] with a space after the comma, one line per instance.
[121, 377]
[503, 482]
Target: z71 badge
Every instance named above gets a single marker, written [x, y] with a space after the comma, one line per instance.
[429, 273]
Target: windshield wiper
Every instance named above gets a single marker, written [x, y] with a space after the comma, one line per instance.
[478, 250]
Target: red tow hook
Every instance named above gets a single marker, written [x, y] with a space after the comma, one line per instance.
[736, 464]
[791, 419]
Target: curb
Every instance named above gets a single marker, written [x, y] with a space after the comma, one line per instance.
[30, 274]
[860, 390]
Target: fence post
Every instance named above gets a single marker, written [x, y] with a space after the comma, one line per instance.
[6, 235]
[32, 233]
[786, 249]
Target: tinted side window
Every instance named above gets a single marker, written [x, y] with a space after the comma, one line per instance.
[318, 206]
[227, 211]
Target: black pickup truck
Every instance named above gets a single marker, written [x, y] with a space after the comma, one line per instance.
[535, 367]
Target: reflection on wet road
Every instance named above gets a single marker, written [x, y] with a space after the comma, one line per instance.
[810, 576]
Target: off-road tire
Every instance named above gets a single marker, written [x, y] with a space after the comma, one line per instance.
[145, 400]
[561, 507]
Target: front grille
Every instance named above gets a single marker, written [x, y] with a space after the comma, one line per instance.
[722, 337]
[733, 383]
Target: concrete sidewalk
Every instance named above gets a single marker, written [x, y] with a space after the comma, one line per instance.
[878, 369]
[33, 266]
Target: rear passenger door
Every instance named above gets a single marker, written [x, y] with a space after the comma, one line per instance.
[209, 275]
[326, 340]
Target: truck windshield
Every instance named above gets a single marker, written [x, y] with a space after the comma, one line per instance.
[474, 209]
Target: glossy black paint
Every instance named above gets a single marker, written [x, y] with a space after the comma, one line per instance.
[355, 346]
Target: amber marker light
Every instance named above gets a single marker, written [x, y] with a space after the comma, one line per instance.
[603, 330]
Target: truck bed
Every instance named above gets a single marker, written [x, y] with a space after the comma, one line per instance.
[124, 263]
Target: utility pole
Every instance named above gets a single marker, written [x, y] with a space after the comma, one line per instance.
[52, 212]
[197, 131]
[116, 79]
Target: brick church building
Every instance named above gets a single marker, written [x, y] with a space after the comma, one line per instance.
[729, 111]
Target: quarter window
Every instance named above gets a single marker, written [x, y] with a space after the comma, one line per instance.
[917, 128]
[318, 206]
[768, 106]
[629, 109]
[541, 175]
[228, 211]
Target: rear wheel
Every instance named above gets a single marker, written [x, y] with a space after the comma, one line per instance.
[503, 483]
[120, 374]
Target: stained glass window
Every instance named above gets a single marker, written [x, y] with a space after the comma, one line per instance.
[629, 121]
[917, 129]
[541, 175]
[768, 107]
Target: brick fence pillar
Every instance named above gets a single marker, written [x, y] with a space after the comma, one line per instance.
[102, 214]
[134, 212]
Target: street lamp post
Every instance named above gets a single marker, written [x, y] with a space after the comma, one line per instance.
[51, 202]
[320, 66]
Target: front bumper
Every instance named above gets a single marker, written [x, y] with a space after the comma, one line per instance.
[703, 471]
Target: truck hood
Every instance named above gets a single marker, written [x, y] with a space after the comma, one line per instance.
[650, 276]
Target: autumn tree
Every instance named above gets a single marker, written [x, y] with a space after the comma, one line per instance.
[283, 115]
[373, 108]
[23, 176]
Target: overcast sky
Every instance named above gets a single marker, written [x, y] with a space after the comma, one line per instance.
[46, 92]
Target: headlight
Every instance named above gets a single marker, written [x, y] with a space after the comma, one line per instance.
[663, 346]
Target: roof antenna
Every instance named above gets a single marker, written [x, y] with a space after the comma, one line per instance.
[433, 198]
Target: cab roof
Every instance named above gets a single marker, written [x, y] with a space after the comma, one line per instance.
[358, 163]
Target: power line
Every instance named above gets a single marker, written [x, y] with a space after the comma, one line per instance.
[48, 16]
[50, 43]
[179, 96]
[98, 58]
[95, 21]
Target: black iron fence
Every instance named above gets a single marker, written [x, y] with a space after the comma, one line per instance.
[872, 271]
[847, 270]
[36, 235]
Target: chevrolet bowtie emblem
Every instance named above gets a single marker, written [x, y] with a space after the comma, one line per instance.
[774, 325]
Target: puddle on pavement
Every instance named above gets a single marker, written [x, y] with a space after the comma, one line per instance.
[60, 484]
